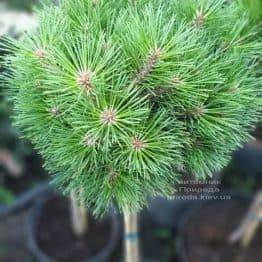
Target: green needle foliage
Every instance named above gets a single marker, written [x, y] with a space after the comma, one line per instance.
[255, 9]
[119, 96]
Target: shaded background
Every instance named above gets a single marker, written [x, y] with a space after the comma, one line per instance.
[195, 226]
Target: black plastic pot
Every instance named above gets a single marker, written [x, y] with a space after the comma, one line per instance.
[40, 256]
[20, 254]
[182, 252]
[168, 213]
[25, 199]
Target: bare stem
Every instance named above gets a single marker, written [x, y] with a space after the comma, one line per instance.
[131, 237]
[149, 66]
[78, 217]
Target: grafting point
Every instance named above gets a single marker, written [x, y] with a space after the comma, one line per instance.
[84, 80]
[138, 144]
[108, 117]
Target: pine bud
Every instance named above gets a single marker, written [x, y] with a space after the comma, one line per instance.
[199, 18]
[41, 53]
[84, 80]
[89, 141]
[108, 117]
[138, 144]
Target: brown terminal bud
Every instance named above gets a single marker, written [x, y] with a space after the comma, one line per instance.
[40, 53]
[89, 141]
[199, 18]
[84, 80]
[138, 144]
[108, 117]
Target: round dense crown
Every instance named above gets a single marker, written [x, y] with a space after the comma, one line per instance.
[120, 96]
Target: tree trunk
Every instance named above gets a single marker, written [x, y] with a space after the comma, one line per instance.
[131, 237]
[78, 217]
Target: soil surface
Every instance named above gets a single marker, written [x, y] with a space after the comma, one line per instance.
[206, 233]
[57, 240]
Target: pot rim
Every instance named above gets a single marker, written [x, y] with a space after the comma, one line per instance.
[181, 247]
[24, 199]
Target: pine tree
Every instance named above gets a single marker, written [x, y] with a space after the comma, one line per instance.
[119, 96]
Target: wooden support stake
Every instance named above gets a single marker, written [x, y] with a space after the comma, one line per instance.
[131, 237]
[247, 229]
[78, 217]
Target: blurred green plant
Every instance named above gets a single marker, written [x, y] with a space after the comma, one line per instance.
[26, 5]
[246, 186]
[6, 196]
